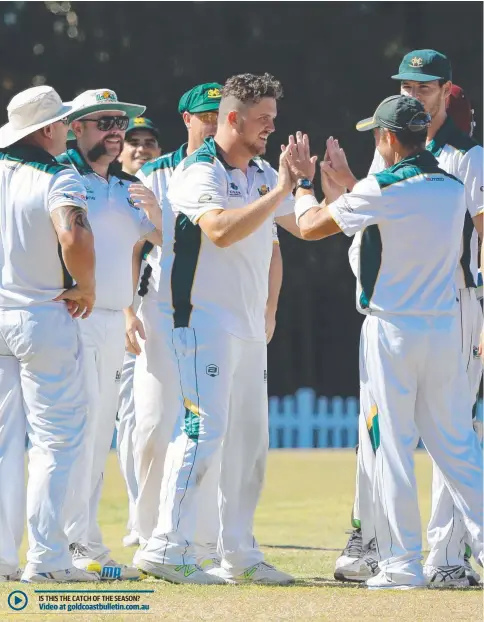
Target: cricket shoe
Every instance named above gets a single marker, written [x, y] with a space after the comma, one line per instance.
[70, 575]
[132, 539]
[473, 576]
[108, 569]
[360, 569]
[262, 573]
[352, 551]
[383, 581]
[184, 573]
[446, 576]
[14, 576]
[208, 563]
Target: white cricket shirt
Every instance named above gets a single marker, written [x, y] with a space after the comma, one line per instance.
[117, 225]
[409, 216]
[459, 155]
[32, 185]
[227, 287]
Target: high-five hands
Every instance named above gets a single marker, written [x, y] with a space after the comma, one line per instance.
[298, 157]
[336, 166]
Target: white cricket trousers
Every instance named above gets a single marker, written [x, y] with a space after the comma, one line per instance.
[409, 371]
[41, 393]
[223, 417]
[157, 405]
[103, 340]
[446, 533]
[126, 422]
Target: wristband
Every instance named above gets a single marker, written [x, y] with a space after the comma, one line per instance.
[304, 204]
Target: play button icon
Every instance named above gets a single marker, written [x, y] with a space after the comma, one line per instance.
[17, 600]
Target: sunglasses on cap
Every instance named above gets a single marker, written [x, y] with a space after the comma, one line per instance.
[104, 124]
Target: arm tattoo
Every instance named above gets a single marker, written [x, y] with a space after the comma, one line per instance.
[68, 217]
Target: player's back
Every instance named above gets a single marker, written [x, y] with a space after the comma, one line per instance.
[31, 185]
[409, 253]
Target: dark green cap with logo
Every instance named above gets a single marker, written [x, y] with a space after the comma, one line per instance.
[397, 113]
[143, 123]
[424, 66]
[202, 98]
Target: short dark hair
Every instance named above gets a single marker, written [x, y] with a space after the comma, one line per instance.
[249, 88]
[412, 140]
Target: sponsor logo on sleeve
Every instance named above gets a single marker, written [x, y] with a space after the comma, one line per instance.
[205, 198]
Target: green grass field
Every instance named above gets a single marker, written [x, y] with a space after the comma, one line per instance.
[300, 523]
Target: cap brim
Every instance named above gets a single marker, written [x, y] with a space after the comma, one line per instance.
[9, 135]
[208, 107]
[366, 124]
[143, 128]
[416, 77]
[131, 110]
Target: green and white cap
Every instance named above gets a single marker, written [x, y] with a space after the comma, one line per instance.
[97, 100]
[397, 113]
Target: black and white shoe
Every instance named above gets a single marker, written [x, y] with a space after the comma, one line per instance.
[446, 576]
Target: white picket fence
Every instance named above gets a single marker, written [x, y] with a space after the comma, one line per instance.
[304, 420]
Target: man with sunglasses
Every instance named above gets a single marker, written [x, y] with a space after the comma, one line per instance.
[121, 213]
[427, 75]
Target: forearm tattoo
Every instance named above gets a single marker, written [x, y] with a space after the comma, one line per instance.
[68, 217]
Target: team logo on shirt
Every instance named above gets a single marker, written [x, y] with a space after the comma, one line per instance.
[475, 352]
[416, 62]
[234, 190]
[212, 370]
[263, 190]
[118, 376]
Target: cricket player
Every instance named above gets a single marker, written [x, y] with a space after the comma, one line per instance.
[199, 110]
[410, 215]
[46, 242]
[154, 426]
[117, 209]
[216, 270]
[427, 75]
[141, 145]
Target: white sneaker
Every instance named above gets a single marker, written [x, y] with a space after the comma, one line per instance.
[359, 569]
[70, 575]
[382, 581]
[473, 576]
[132, 539]
[259, 573]
[185, 573]
[446, 576]
[112, 570]
[14, 576]
[107, 568]
[208, 563]
[83, 560]
[352, 551]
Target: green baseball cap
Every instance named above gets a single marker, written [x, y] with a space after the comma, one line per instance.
[143, 123]
[202, 98]
[397, 113]
[423, 66]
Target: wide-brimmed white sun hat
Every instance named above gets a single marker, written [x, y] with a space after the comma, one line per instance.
[31, 110]
[97, 100]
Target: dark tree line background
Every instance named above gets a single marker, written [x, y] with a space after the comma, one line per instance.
[334, 59]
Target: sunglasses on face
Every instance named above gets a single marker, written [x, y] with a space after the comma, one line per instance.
[104, 124]
[207, 117]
